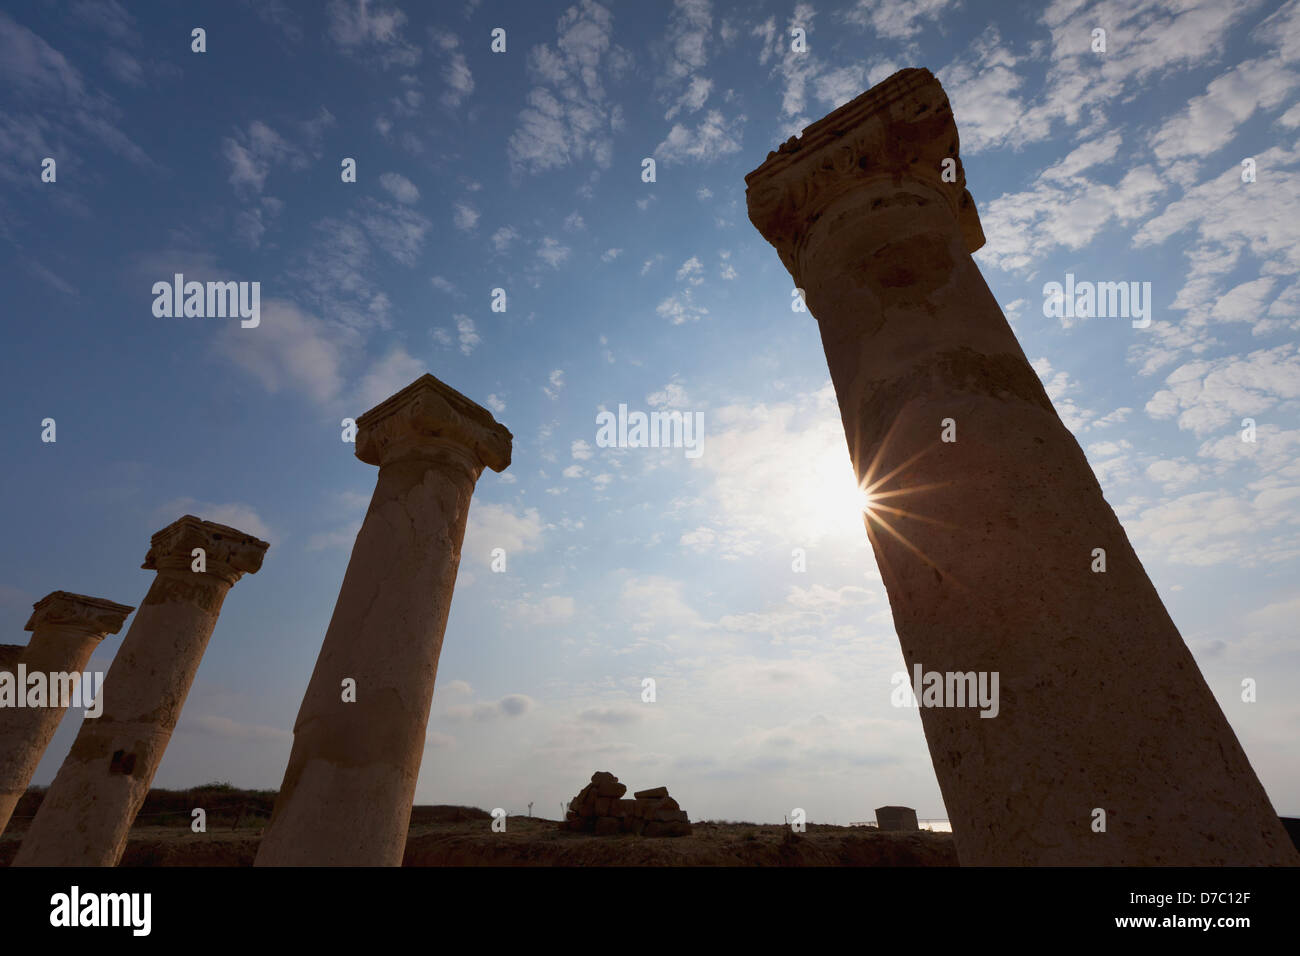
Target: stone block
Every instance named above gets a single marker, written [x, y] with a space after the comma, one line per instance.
[896, 818]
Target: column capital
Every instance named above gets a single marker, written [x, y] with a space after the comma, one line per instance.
[91, 614]
[430, 412]
[901, 128]
[228, 552]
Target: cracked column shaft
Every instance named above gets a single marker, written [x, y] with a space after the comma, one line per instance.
[985, 544]
[347, 791]
[88, 811]
[65, 628]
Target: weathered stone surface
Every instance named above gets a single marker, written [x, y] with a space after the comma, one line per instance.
[587, 811]
[87, 814]
[671, 816]
[896, 818]
[985, 543]
[607, 785]
[66, 628]
[347, 792]
[9, 654]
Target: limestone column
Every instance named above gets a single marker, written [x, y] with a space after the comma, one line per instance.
[88, 811]
[65, 629]
[347, 791]
[985, 544]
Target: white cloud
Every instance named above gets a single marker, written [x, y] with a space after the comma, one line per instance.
[681, 308]
[398, 230]
[291, 348]
[466, 334]
[1214, 394]
[1210, 121]
[371, 30]
[399, 187]
[455, 72]
[386, 377]
[552, 252]
[251, 153]
[494, 525]
[568, 117]
[556, 380]
[671, 395]
[898, 19]
[713, 137]
[466, 216]
[502, 238]
[692, 271]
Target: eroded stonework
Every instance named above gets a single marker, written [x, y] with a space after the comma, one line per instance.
[66, 629]
[228, 552]
[423, 412]
[348, 788]
[984, 539]
[87, 813]
[95, 615]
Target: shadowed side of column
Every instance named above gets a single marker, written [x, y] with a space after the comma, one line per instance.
[348, 788]
[985, 537]
[87, 813]
[66, 629]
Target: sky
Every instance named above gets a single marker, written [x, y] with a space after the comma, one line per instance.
[522, 170]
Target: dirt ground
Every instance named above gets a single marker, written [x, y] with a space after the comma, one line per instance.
[538, 842]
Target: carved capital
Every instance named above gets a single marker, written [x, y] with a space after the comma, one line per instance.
[228, 552]
[93, 615]
[425, 416]
[900, 128]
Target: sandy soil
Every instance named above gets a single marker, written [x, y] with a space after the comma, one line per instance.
[537, 842]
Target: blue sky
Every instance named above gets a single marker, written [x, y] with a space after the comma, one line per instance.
[522, 170]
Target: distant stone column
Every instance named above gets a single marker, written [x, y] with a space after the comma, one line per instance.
[87, 813]
[65, 629]
[986, 543]
[347, 792]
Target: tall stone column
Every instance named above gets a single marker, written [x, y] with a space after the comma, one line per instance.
[65, 629]
[347, 792]
[985, 544]
[87, 813]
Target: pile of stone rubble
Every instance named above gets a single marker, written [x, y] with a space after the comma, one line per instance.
[600, 808]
